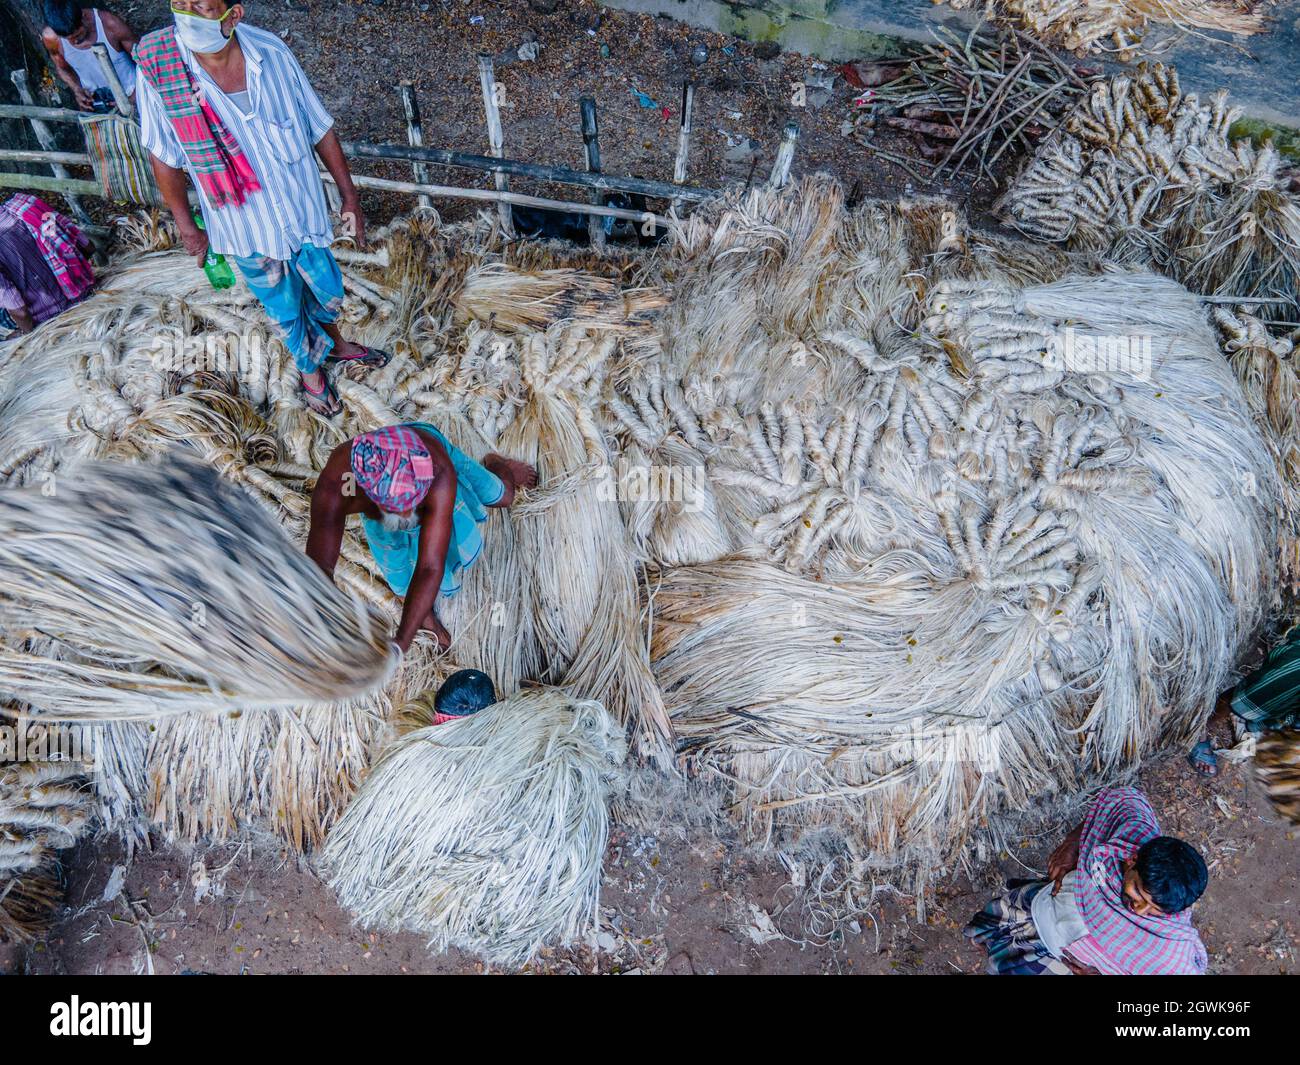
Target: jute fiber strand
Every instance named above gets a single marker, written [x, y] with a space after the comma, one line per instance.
[486, 833]
[178, 593]
[886, 525]
[1118, 25]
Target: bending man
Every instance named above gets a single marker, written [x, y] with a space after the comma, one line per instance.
[421, 502]
[71, 32]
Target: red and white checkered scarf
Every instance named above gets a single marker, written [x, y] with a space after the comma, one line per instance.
[1119, 822]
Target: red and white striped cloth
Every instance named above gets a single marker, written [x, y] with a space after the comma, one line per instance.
[1120, 942]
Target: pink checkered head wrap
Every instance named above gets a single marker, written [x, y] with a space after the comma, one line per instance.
[392, 467]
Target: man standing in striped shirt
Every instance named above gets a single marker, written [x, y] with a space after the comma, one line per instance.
[235, 111]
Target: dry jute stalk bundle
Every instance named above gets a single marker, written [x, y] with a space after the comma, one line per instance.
[487, 833]
[177, 593]
[1118, 25]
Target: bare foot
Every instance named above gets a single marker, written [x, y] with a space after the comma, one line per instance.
[519, 474]
[433, 625]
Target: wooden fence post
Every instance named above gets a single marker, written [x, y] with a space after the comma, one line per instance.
[591, 138]
[46, 140]
[415, 136]
[496, 139]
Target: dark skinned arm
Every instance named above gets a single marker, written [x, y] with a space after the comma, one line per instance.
[172, 185]
[435, 537]
[328, 514]
[1065, 859]
[65, 72]
[1079, 969]
[331, 154]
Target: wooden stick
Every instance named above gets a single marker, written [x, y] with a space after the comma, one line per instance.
[455, 192]
[45, 114]
[46, 140]
[558, 174]
[115, 85]
[415, 135]
[591, 140]
[684, 136]
[70, 187]
[23, 155]
[496, 139]
[784, 157]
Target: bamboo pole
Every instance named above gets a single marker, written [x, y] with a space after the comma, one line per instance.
[23, 155]
[123, 101]
[784, 157]
[360, 180]
[557, 174]
[684, 137]
[45, 114]
[70, 187]
[591, 140]
[458, 193]
[496, 139]
[415, 136]
[46, 140]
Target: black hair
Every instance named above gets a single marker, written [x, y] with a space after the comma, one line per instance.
[62, 16]
[465, 692]
[1172, 872]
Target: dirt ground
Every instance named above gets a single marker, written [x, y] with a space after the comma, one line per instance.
[708, 906]
[669, 905]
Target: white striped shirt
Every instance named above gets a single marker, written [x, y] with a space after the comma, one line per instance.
[278, 137]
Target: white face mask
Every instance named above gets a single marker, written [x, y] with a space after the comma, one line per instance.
[200, 34]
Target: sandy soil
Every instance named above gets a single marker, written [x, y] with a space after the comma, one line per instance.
[668, 905]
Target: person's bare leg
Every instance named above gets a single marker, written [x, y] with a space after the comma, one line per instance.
[342, 348]
[513, 474]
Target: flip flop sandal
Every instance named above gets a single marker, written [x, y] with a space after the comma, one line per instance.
[374, 357]
[1203, 760]
[326, 402]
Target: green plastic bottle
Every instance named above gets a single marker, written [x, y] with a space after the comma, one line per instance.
[215, 266]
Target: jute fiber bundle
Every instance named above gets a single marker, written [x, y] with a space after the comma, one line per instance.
[486, 833]
[886, 524]
[178, 594]
[976, 558]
